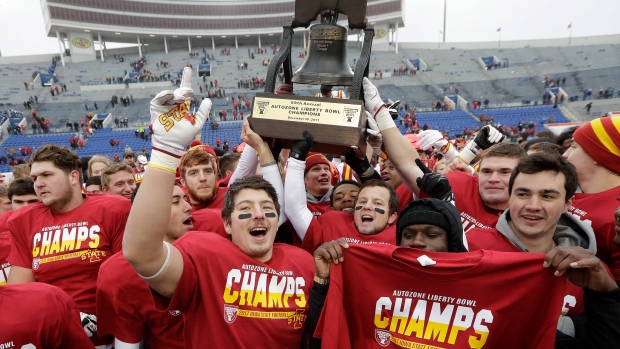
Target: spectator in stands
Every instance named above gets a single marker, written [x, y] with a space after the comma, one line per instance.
[118, 179]
[129, 158]
[21, 193]
[97, 164]
[93, 185]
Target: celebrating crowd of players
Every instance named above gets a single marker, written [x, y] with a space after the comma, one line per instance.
[521, 252]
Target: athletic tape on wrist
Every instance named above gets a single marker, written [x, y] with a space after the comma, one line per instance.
[161, 270]
[164, 161]
[152, 165]
[384, 119]
[268, 163]
[467, 155]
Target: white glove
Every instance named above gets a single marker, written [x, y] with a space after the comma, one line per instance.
[89, 322]
[486, 137]
[173, 124]
[376, 108]
[434, 139]
[374, 139]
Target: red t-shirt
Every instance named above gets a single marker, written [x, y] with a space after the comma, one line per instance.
[67, 249]
[40, 315]
[209, 220]
[474, 214]
[230, 300]
[405, 196]
[319, 209]
[5, 249]
[125, 309]
[598, 210]
[382, 295]
[491, 239]
[218, 201]
[4, 220]
[337, 224]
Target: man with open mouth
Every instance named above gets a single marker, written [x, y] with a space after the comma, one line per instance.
[244, 291]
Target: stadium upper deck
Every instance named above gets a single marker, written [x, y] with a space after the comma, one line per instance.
[154, 21]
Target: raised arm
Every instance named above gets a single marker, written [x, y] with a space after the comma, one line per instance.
[247, 164]
[294, 187]
[269, 166]
[399, 150]
[159, 263]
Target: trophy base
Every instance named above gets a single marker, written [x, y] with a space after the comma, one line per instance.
[337, 125]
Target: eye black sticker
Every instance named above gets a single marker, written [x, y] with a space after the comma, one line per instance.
[357, 208]
[270, 215]
[379, 211]
[245, 216]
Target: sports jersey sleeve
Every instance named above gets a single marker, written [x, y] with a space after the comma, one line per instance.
[20, 252]
[296, 205]
[332, 326]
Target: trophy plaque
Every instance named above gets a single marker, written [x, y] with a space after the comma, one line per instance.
[336, 124]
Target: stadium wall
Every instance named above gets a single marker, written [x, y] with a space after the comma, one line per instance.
[560, 42]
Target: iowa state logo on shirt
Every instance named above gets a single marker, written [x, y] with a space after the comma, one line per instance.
[262, 293]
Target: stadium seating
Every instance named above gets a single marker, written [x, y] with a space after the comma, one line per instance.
[447, 69]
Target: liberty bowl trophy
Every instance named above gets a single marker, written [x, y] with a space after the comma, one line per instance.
[336, 124]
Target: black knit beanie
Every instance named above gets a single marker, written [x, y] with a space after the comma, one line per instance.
[420, 214]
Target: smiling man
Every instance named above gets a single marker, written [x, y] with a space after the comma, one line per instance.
[541, 191]
[118, 179]
[242, 292]
[375, 210]
[343, 196]
[318, 183]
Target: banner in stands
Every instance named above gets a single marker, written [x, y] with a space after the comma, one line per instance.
[82, 47]
[380, 41]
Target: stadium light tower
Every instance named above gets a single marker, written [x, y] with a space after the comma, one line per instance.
[445, 6]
